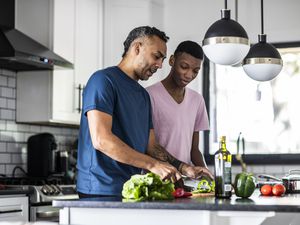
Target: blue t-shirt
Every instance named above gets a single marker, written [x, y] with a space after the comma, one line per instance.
[113, 92]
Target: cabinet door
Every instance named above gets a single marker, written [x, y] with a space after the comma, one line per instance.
[88, 39]
[64, 103]
[120, 17]
[88, 43]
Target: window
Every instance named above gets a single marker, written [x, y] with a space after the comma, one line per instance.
[266, 114]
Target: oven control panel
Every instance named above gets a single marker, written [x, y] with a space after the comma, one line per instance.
[49, 192]
[58, 190]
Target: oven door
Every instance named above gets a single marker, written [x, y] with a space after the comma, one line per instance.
[44, 213]
[14, 208]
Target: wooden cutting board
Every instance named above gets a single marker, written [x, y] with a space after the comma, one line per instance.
[202, 195]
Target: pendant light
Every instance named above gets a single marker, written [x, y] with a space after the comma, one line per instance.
[226, 41]
[263, 62]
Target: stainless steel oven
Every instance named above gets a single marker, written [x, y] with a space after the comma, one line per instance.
[14, 208]
[39, 192]
[41, 201]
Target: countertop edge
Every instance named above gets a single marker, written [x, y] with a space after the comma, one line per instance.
[173, 206]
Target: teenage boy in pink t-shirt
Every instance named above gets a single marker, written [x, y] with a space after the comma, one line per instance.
[178, 112]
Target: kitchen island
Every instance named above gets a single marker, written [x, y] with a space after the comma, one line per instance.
[202, 210]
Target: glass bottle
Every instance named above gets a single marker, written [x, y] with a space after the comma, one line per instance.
[223, 171]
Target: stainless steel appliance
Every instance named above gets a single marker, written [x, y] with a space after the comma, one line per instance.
[41, 193]
[41, 201]
[20, 52]
[14, 208]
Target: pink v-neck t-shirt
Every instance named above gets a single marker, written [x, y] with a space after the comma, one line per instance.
[174, 123]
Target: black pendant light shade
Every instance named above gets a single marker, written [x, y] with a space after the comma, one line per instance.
[263, 62]
[226, 42]
[225, 27]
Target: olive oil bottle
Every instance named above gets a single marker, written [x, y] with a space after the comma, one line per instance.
[223, 171]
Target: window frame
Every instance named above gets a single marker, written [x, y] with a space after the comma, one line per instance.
[251, 159]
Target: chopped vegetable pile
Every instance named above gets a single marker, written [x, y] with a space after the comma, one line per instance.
[205, 186]
[181, 193]
[147, 187]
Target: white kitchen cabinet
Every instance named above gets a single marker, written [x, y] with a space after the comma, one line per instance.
[120, 17]
[75, 33]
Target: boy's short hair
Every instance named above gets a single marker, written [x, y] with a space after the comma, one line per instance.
[191, 48]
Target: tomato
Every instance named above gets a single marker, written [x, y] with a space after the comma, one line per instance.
[278, 189]
[266, 190]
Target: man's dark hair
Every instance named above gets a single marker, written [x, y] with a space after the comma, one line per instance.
[191, 48]
[143, 32]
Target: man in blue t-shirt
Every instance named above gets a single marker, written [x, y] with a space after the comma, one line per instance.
[116, 137]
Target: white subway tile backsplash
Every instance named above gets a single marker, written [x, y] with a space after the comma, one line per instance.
[3, 81]
[2, 125]
[24, 158]
[19, 137]
[11, 126]
[5, 158]
[52, 130]
[14, 93]
[3, 102]
[11, 82]
[17, 159]
[35, 129]
[28, 135]
[6, 136]
[66, 131]
[2, 169]
[11, 104]
[6, 92]
[23, 127]
[7, 114]
[75, 132]
[8, 73]
[13, 147]
[2, 146]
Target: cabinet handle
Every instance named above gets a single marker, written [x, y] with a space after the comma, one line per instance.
[80, 89]
[10, 211]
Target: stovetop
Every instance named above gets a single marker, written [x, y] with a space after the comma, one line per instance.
[41, 190]
[56, 180]
[48, 193]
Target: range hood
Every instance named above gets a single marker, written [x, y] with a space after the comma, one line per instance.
[19, 52]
